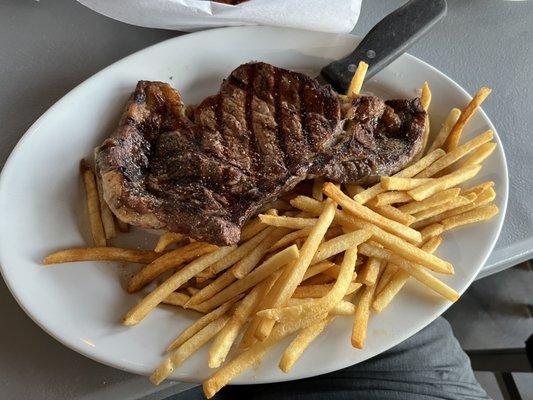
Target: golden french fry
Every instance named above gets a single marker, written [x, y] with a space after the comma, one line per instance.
[445, 130]
[317, 189]
[251, 229]
[416, 271]
[397, 183]
[444, 182]
[192, 290]
[305, 291]
[285, 286]
[408, 172]
[290, 238]
[351, 189]
[343, 307]
[395, 214]
[431, 231]
[455, 135]
[480, 155]
[369, 274]
[478, 189]
[166, 239]
[248, 263]
[199, 324]
[176, 299]
[101, 254]
[476, 215]
[287, 222]
[432, 201]
[357, 80]
[93, 204]
[339, 244]
[221, 346]
[362, 315]
[399, 279]
[296, 348]
[221, 282]
[317, 269]
[148, 303]
[388, 198]
[457, 202]
[386, 276]
[368, 215]
[168, 261]
[187, 349]
[319, 279]
[390, 241]
[251, 356]
[108, 221]
[253, 278]
[456, 154]
[425, 97]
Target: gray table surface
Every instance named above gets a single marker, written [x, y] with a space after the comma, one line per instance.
[48, 47]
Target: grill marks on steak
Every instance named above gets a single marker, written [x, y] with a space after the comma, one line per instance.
[266, 130]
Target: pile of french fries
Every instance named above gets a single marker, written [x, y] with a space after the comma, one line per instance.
[337, 251]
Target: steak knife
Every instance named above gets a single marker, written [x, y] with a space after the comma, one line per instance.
[385, 42]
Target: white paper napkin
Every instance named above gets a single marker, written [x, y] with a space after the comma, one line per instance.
[337, 16]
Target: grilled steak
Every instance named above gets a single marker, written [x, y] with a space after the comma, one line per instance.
[266, 130]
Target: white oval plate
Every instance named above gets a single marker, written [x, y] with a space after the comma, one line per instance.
[42, 206]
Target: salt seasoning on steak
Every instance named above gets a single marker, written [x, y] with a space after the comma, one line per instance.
[265, 131]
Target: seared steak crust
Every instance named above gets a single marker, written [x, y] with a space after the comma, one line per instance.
[265, 131]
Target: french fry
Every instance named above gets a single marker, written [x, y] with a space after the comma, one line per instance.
[480, 155]
[248, 263]
[432, 201]
[425, 97]
[390, 241]
[317, 269]
[395, 214]
[187, 349]
[343, 307]
[444, 182]
[416, 271]
[478, 189]
[318, 279]
[456, 154]
[362, 315]
[222, 343]
[445, 130]
[290, 238]
[287, 222]
[386, 276]
[305, 291]
[93, 204]
[317, 189]
[166, 262]
[396, 183]
[148, 303]
[192, 290]
[176, 299]
[408, 172]
[166, 239]
[240, 252]
[457, 130]
[251, 229]
[108, 221]
[476, 215]
[368, 215]
[251, 356]
[431, 231]
[388, 198]
[101, 254]
[369, 274]
[274, 206]
[296, 348]
[385, 296]
[339, 244]
[357, 80]
[285, 286]
[482, 199]
[199, 324]
[219, 284]
[457, 202]
[253, 278]
[122, 226]
[352, 190]
[326, 303]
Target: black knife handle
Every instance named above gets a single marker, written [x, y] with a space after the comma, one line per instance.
[386, 41]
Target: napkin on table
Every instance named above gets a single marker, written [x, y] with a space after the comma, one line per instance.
[337, 16]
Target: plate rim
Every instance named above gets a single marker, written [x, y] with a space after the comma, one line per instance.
[84, 351]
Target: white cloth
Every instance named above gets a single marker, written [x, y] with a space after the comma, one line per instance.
[337, 16]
